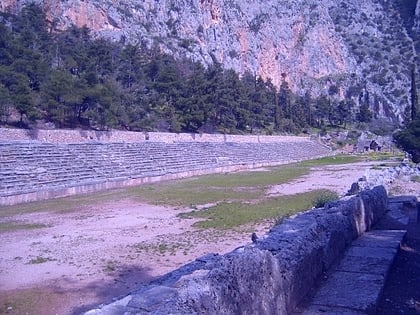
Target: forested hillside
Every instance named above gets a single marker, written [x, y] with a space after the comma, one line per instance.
[72, 80]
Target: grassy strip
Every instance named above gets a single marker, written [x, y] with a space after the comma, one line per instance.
[26, 301]
[334, 160]
[219, 187]
[14, 226]
[415, 178]
[64, 204]
[229, 215]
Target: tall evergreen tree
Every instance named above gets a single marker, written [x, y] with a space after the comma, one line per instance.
[414, 95]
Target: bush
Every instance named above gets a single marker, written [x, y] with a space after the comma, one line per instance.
[409, 139]
[323, 198]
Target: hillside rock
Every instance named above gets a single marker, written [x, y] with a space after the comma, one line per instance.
[416, 26]
[364, 49]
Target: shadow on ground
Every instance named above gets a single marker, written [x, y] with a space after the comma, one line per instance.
[401, 294]
[53, 298]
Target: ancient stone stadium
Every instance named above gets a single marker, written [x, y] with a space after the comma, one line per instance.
[307, 264]
[60, 163]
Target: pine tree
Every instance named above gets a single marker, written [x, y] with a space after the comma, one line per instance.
[414, 96]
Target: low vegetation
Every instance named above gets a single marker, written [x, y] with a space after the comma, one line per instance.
[323, 197]
[409, 139]
[24, 303]
[334, 160]
[228, 215]
[202, 190]
[39, 260]
[14, 226]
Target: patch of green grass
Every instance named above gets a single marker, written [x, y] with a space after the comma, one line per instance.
[163, 248]
[110, 266]
[64, 204]
[39, 260]
[324, 197]
[218, 187]
[229, 215]
[384, 156]
[27, 301]
[333, 160]
[15, 226]
[186, 194]
[415, 178]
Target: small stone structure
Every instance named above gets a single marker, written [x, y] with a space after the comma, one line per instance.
[270, 276]
[34, 170]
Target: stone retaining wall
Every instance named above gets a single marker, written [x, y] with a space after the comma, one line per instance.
[76, 136]
[271, 276]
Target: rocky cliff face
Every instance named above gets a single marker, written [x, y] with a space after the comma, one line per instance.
[416, 26]
[365, 48]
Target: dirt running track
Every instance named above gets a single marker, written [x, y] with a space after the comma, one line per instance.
[84, 258]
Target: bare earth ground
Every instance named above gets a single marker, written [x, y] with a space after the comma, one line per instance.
[88, 257]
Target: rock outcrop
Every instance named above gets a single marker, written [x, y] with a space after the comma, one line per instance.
[362, 48]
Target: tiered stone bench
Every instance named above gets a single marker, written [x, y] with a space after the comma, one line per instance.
[34, 170]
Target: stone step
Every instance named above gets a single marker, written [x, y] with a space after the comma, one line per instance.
[355, 284]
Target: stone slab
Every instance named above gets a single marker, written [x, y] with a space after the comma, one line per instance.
[372, 252]
[397, 213]
[375, 266]
[355, 291]
[380, 239]
[408, 201]
[327, 310]
[150, 299]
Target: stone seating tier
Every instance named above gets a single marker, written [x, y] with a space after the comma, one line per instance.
[30, 167]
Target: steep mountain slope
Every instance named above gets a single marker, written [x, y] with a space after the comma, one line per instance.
[365, 50]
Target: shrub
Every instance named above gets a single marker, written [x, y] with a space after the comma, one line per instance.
[324, 197]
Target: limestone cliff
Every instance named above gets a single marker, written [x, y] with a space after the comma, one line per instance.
[417, 18]
[361, 46]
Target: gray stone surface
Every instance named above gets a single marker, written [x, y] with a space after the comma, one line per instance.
[407, 201]
[380, 238]
[367, 265]
[327, 310]
[356, 282]
[352, 290]
[379, 253]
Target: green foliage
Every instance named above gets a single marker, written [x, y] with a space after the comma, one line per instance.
[332, 160]
[409, 139]
[228, 215]
[13, 226]
[364, 115]
[39, 260]
[220, 187]
[323, 197]
[72, 80]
